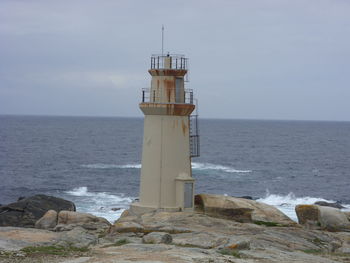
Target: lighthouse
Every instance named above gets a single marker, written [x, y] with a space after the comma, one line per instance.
[170, 138]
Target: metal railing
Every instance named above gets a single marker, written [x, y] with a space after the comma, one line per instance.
[176, 61]
[194, 136]
[153, 97]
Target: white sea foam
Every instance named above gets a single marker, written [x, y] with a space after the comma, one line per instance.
[195, 166]
[218, 167]
[111, 166]
[287, 203]
[99, 203]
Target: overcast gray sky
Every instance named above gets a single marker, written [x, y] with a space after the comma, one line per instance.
[259, 59]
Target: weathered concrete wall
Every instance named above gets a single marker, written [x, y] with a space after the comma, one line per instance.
[165, 156]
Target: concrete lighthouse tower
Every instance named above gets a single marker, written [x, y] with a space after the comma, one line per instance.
[170, 138]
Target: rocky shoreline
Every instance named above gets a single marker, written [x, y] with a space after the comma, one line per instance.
[222, 229]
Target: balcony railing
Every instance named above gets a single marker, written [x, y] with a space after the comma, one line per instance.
[194, 136]
[153, 97]
[176, 62]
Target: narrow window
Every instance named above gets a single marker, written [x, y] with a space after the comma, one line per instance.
[188, 195]
[178, 82]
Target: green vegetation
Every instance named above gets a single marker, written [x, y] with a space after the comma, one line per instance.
[318, 241]
[312, 251]
[101, 235]
[121, 242]
[185, 245]
[150, 242]
[340, 254]
[118, 243]
[5, 253]
[323, 253]
[268, 224]
[230, 252]
[54, 250]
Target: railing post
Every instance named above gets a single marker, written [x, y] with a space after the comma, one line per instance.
[143, 95]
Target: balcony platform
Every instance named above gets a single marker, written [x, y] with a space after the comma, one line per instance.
[175, 109]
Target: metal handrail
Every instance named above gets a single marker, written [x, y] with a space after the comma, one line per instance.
[177, 61]
[152, 98]
[194, 136]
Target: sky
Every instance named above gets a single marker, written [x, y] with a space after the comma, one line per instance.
[249, 59]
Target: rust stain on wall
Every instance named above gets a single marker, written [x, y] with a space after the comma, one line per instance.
[175, 124]
[167, 109]
[184, 127]
[167, 72]
[169, 89]
[179, 109]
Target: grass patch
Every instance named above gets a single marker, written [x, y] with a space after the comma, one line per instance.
[54, 250]
[102, 235]
[185, 245]
[118, 243]
[230, 252]
[312, 251]
[268, 224]
[150, 242]
[340, 254]
[325, 253]
[318, 241]
[121, 242]
[5, 254]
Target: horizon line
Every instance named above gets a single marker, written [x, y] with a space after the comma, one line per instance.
[203, 118]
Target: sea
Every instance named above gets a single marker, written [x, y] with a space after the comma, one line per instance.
[95, 161]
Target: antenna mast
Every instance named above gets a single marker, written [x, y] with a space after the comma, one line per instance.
[162, 40]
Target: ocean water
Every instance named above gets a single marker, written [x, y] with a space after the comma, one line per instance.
[95, 162]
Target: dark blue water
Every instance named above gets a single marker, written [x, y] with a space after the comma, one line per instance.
[95, 161]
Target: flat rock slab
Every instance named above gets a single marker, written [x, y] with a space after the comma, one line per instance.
[16, 238]
[77, 260]
[156, 253]
[199, 240]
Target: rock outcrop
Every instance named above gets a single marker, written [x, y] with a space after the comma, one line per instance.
[69, 217]
[335, 205]
[68, 220]
[178, 237]
[27, 211]
[197, 237]
[77, 237]
[240, 210]
[75, 229]
[322, 217]
[157, 238]
[347, 213]
[15, 238]
[48, 221]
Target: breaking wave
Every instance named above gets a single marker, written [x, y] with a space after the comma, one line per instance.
[195, 166]
[111, 206]
[287, 203]
[107, 205]
[218, 167]
[111, 166]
